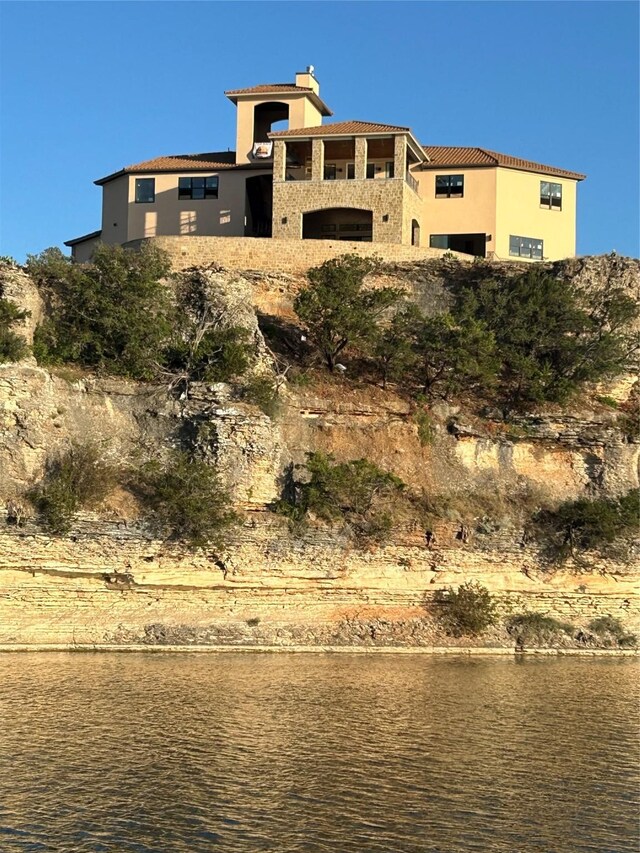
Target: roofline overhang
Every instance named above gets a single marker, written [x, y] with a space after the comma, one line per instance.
[301, 136]
[550, 172]
[316, 100]
[223, 167]
[82, 239]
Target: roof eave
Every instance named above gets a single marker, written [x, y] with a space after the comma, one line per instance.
[316, 100]
[83, 239]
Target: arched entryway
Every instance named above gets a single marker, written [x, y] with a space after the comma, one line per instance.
[338, 223]
[415, 232]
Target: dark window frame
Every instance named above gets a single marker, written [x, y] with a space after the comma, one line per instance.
[351, 171]
[370, 171]
[524, 251]
[553, 193]
[138, 190]
[330, 172]
[389, 169]
[210, 188]
[447, 189]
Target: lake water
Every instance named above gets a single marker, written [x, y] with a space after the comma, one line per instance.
[340, 753]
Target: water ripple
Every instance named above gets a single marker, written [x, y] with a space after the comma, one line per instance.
[317, 754]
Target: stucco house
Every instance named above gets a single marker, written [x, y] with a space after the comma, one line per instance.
[340, 180]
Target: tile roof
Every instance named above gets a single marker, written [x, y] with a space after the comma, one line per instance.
[343, 128]
[178, 162]
[444, 155]
[215, 160]
[269, 88]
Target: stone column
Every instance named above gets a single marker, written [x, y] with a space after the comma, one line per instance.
[361, 158]
[317, 160]
[399, 156]
[279, 160]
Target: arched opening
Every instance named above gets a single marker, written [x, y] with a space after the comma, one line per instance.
[265, 116]
[338, 223]
[415, 232]
[259, 206]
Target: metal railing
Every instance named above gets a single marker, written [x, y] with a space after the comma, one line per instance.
[411, 181]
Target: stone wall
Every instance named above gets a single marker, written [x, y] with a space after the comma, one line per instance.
[273, 256]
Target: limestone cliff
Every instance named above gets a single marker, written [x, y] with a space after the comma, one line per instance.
[110, 582]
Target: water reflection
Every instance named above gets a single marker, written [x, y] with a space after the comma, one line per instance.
[348, 754]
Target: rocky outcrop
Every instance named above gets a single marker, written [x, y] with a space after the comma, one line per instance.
[109, 581]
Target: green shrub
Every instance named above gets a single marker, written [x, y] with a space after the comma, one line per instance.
[469, 610]
[112, 314]
[218, 355]
[356, 493]
[12, 346]
[77, 479]
[610, 629]
[591, 524]
[262, 391]
[535, 629]
[426, 427]
[185, 500]
[608, 401]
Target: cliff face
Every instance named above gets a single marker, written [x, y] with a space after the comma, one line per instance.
[109, 582]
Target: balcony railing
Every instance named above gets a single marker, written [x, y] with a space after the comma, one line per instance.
[412, 182]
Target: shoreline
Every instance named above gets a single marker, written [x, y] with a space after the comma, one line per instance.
[258, 649]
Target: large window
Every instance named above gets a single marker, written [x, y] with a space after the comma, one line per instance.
[198, 188]
[525, 247]
[145, 190]
[371, 170]
[449, 186]
[351, 171]
[330, 172]
[389, 169]
[550, 195]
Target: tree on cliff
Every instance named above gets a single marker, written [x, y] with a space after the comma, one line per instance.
[113, 313]
[550, 337]
[336, 308]
[12, 346]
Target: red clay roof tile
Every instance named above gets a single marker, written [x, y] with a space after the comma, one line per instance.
[341, 128]
[441, 156]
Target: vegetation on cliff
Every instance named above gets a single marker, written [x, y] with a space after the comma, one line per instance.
[12, 346]
[357, 494]
[532, 339]
[468, 610]
[603, 525]
[75, 479]
[186, 500]
[113, 314]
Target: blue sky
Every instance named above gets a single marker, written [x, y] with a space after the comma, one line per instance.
[89, 87]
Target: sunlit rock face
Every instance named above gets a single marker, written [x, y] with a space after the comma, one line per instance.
[110, 582]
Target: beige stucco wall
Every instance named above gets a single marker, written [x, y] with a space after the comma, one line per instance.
[302, 113]
[474, 213]
[82, 252]
[115, 210]
[168, 215]
[518, 212]
[383, 197]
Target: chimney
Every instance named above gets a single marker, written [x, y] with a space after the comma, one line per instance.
[307, 79]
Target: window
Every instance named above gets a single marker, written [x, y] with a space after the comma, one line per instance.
[525, 247]
[330, 171]
[550, 195]
[439, 241]
[145, 190]
[449, 186]
[389, 169]
[371, 170]
[351, 171]
[198, 188]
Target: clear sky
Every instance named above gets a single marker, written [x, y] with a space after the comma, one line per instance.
[89, 87]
